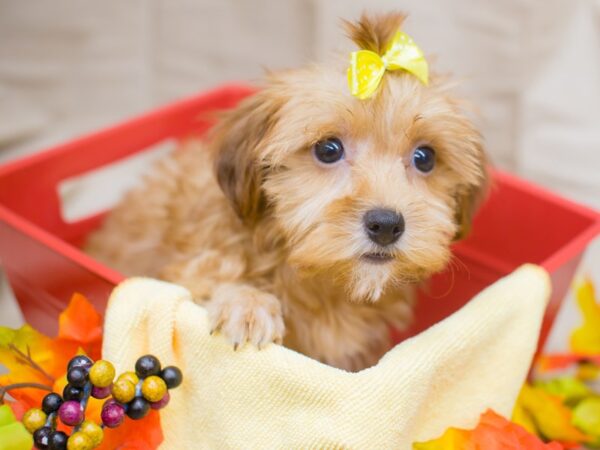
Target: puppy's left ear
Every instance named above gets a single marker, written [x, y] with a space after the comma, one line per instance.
[468, 200]
[236, 143]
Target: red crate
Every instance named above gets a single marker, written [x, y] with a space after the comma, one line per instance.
[40, 252]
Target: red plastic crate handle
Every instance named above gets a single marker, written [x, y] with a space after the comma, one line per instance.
[30, 186]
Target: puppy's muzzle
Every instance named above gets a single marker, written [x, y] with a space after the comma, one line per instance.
[383, 226]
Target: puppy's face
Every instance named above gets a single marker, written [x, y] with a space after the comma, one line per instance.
[370, 192]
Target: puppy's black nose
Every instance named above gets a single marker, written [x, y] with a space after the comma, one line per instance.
[384, 226]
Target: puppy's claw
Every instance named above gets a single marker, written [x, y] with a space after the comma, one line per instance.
[211, 332]
[242, 313]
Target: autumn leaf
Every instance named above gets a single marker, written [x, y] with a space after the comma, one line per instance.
[551, 417]
[32, 357]
[522, 417]
[493, 432]
[81, 326]
[586, 416]
[29, 357]
[586, 338]
[452, 439]
[589, 370]
[570, 390]
[13, 435]
[142, 434]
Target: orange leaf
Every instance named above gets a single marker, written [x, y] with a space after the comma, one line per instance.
[141, 434]
[558, 361]
[492, 433]
[81, 324]
[495, 432]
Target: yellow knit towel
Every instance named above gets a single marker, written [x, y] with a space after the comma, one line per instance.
[276, 398]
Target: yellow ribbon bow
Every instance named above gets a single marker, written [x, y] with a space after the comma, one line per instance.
[367, 68]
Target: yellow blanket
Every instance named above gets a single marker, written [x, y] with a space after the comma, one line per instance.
[276, 398]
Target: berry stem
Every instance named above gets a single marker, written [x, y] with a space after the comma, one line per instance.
[87, 391]
[50, 420]
[10, 387]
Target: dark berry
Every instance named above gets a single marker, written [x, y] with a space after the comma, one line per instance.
[146, 366]
[57, 441]
[172, 376]
[77, 377]
[41, 437]
[72, 393]
[80, 361]
[51, 403]
[138, 408]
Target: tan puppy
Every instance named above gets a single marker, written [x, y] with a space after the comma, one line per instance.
[309, 214]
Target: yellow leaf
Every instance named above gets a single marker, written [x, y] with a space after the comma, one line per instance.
[452, 439]
[521, 417]
[586, 338]
[15, 347]
[552, 419]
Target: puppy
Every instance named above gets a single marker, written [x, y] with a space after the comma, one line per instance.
[308, 215]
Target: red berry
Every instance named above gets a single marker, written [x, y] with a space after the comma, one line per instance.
[112, 414]
[98, 392]
[70, 413]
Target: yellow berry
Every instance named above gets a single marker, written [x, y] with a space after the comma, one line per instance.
[33, 419]
[154, 388]
[79, 441]
[102, 373]
[131, 376]
[93, 431]
[123, 391]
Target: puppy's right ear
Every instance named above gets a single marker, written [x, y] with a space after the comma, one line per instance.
[236, 143]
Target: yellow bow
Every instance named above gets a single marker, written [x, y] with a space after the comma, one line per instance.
[367, 68]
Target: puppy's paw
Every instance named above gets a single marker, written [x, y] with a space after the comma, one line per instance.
[243, 313]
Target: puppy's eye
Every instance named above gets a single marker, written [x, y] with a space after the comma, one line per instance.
[329, 150]
[424, 159]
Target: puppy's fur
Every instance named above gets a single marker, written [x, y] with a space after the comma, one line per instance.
[273, 242]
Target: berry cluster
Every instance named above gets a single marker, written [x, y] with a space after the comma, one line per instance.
[133, 394]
